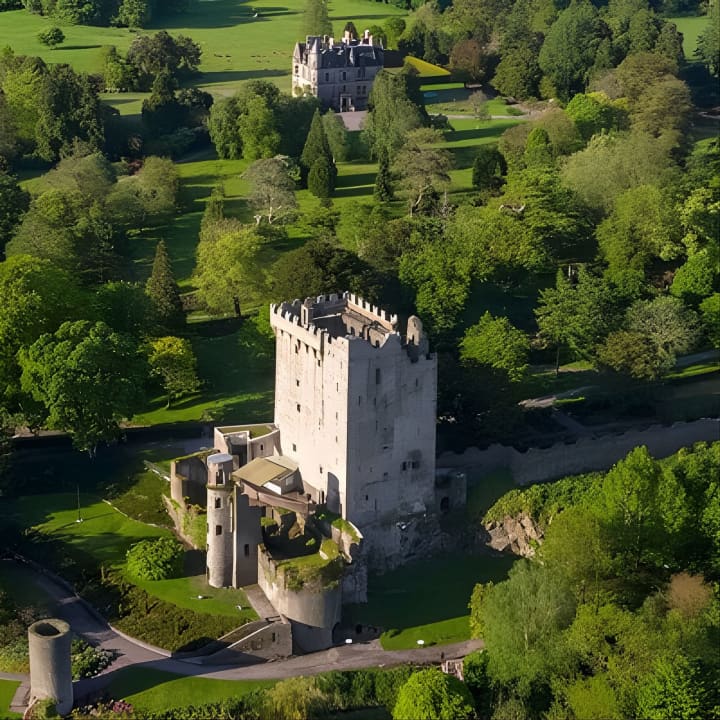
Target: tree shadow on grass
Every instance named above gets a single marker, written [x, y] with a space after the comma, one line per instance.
[348, 181]
[228, 76]
[78, 47]
[219, 14]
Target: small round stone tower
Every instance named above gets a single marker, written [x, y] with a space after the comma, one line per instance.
[220, 488]
[50, 668]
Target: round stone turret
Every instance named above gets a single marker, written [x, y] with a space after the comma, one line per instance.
[220, 520]
[50, 668]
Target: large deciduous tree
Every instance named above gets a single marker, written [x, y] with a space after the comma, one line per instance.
[228, 273]
[497, 343]
[272, 190]
[316, 20]
[431, 694]
[87, 377]
[173, 362]
[14, 201]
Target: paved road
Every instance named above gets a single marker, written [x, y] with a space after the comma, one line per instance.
[90, 625]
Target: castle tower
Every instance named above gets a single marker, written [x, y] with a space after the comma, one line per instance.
[50, 669]
[220, 487]
[355, 402]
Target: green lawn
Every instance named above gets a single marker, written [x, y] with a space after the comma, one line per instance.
[18, 582]
[7, 692]
[484, 490]
[426, 600]
[104, 537]
[690, 27]
[149, 690]
[236, 45]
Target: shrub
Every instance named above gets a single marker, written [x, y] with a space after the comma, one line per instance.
[88, 661]
[155, 559]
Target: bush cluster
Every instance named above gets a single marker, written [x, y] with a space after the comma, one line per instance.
[88, 661]
[155, 559]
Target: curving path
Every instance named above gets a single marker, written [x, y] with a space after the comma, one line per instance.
[86, 621]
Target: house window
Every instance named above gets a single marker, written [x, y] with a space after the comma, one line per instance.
[404, 466]
[262, 447]
[321, 469]
[359, 399]
[246, 550]
[367, 497]
[297, 382]
[385, 476]
[218, 502]
[344, 77]
[377, 376]
[296, 69]
[218, 529]
[327, 77]
[415, 464]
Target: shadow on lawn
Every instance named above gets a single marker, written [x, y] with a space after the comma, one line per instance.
[347, 181]
[227, 76]
[218, 14]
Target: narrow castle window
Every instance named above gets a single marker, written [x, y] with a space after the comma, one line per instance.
[218, 529]
[294, 447]
[385, 476]
[327, 77]
[246, 550]
[297, 382]
[297, 407]
[218, 502]
[377, 376]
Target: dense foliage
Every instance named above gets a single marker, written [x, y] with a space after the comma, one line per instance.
[159, 559]
[619, 617]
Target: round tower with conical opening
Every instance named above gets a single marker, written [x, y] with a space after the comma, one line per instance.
[50, 668]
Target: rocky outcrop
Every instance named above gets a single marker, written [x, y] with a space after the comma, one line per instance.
[519, 535]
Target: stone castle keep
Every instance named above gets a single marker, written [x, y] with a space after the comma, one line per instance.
[346, 468]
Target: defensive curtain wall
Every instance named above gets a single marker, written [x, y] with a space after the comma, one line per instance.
[587, 454]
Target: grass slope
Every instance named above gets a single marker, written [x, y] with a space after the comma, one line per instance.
[426, 600]
[690, 27]
[7, 692]
[236, 45]
[149, 690]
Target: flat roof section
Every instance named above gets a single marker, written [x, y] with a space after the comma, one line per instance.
[262, 471]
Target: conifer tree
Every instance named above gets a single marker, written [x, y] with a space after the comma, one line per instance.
[317, 146]
[383, 187]
[316, 20]
[321, 180]
[164, 293]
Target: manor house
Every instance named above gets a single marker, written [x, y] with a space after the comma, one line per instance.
[339, 74]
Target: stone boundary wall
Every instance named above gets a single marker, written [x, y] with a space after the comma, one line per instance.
[588, 454]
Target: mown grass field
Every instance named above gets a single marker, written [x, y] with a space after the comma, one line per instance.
[690, 27]
[149, 690]
[426, 600]
[236, 45]
[103, 539]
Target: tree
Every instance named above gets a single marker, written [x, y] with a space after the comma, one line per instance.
[421, 166]
[337, 136]
[223, 128]
[164, 293]
[124, 307]
[14, 202]
[675, 689]
[258, 130]
[468, 60]
[631, 353]
[51, 37]
[495, 342]
[570, 46]
[161, 112]
[87, 377]
[321, 180]
[392, 113]
[479, 103]
[149, 55]
[698, 276]
[317, 146]
[272, 190]
[537, 149]
[710, 313]
[320, 267]
[296, 698]
[36, 297]
[641, 507]
[316, 20]
[158, 559]
[672, 327]
[594, 113]
[172, 361]
[488, 168]
[708, 42]
[157, 185]
[430, 694]
[523, 618]
[394, 28]
[383, 179]
[518, 73]
[228, 272]
[479, 594]
[642, 226]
